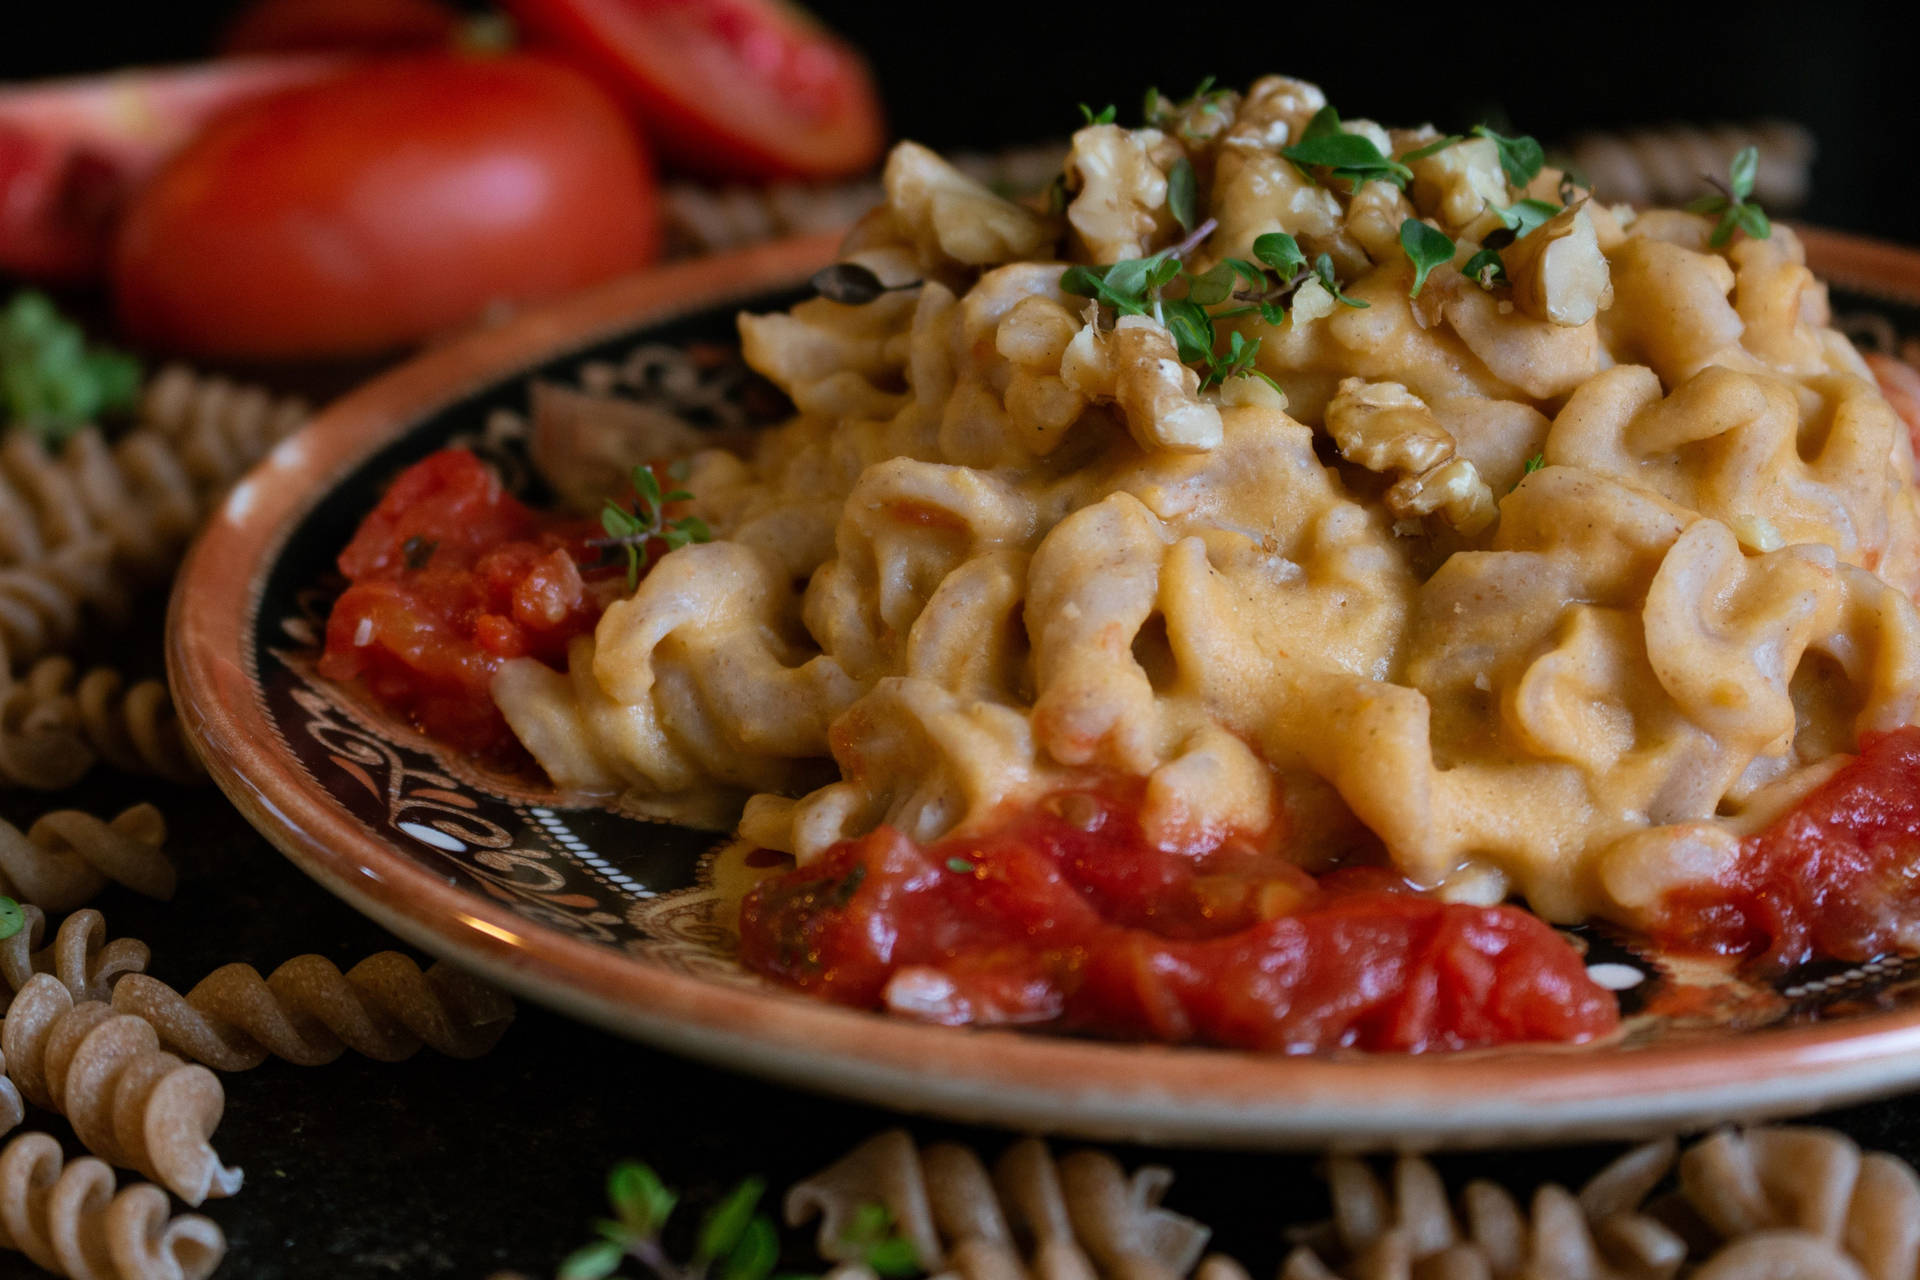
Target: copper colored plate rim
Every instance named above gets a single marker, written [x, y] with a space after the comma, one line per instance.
[1208, 1096]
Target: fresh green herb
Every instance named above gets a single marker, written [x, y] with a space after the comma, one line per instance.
[960, 866]
[1281, 252]
[1572, 183]
[1521, 157]
[852, 284]
[12, 919]
[1426, 248]
[1323, 268]
[1325, 145]
[734, 1240]
[1156, 109]
[848, 885]
[1734, 201]
[874, 1239]
[1056, 197]
[1486, 269]
[632, 530]
[1103, 116]
[1433, 148]
[51, 382]
[1216, 284]
[1522, 216]
[1237, 363]
[1534, 463]
[1183, 193]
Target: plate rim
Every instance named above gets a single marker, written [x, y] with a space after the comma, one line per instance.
[1204, 1096]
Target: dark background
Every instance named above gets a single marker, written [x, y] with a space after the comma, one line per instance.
[986, 72]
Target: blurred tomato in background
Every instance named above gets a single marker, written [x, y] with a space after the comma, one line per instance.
[382, 205]
[372, 173]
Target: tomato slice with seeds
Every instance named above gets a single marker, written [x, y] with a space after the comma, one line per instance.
[729, 88]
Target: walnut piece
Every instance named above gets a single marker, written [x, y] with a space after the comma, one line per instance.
[1386, 428]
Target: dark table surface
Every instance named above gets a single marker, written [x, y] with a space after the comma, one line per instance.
[434, 1167]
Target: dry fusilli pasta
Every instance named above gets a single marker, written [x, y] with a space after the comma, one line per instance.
[129, 1101]
[67, 1217]
[216, 427]
[1083, 1214]
[69, 720]
[43, 604]
[68, 856]
[79, 957]
[1663, 166]
[308, 1012]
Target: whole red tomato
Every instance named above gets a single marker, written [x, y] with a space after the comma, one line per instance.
[382, 206]
[732, 88]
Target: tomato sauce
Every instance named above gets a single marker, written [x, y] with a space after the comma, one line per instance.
[1066, 915]
[451, 576]
[1838, 876]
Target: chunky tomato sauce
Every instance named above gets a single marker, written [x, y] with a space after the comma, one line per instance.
[1838, 876]
[1067, 915]
[451, 576]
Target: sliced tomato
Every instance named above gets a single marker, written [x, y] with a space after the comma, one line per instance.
[383, 206]
[390, 26]
[730, 88]
[72, 151]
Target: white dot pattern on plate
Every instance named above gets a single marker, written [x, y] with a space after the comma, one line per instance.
[561, 834]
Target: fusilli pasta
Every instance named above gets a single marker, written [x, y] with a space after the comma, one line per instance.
[130, 1102]
[1663, 166]
[68, 720]
[216, 427]
[68, 856]
[67, 1217]
[308, 1012]
[79, 957]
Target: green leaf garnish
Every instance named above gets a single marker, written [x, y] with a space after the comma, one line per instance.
[630, 530]
[873, 1238]
[1521, 157]
[1426, 247]
[1323, 268]
[51, 382]
[12, 918]
[1183, 194]
[1281, 252]
[1103, 116]
[724, 1225]
[1734, 202]
[1522, 216]
[637, 1195]
[756, 1253]
[1486, 269]
[594, 1261]
[1433, 148]
[1324, 144]
[1534, 463]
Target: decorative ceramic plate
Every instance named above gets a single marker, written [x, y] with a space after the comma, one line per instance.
[622, 919]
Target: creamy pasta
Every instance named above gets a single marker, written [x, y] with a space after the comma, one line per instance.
[1557, 588]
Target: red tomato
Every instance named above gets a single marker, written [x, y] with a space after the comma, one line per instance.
[382, 206]
[384, 25]
[71, 151]
[732, 88]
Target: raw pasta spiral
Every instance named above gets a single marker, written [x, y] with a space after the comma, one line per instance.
[67, 1217]
[217, 428]
[129, 1101]
[1082, 1214]
[68, 856]
[1663, 166]
[68, 720]
[79, 957]
[44, 604]
[308, 1012]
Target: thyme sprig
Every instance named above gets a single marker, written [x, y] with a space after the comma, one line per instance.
[1352, 157]
[1734, 202]
[632, 529]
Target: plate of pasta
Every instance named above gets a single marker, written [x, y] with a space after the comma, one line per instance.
[1301, 632]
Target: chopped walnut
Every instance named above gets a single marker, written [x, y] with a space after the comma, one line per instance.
[1558, 271]
[1384, 427]
[948, 216]
[1274, 112]
[1122, 178]
[1457, 184]
[1138, 367]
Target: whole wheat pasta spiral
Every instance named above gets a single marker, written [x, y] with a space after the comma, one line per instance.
[1663, 166]
[308, 1012]
[130, 1101]
[216, 427]
[80, 958]
[69, 720]
[1082, 1214]
[44, 604]
[68, 856]
[68, 1218]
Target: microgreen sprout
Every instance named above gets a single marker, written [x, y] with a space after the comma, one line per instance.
[1350, 156]
[1521, 157]
[1733, 201]
[633, 529]
[1486, 269]
[1433, 148]
[1156, 109]
[51, 382]
[1183, 193]
[1426, 248]
[1522, 216]
[12, 919]
[1104, 115]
